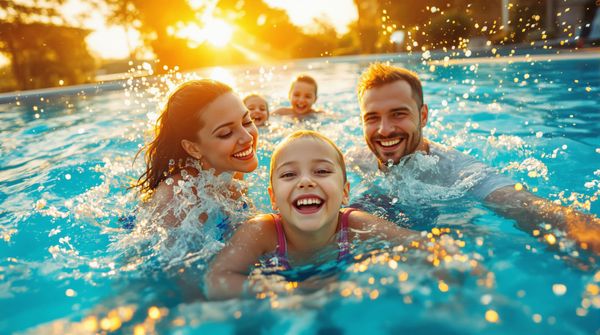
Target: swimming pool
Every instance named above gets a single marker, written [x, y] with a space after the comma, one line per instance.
[66, 161]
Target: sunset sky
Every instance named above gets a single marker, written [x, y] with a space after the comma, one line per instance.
[110, 42]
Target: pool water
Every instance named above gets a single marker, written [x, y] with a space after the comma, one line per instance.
[68, 266]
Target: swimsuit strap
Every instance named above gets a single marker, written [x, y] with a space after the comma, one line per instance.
[343, 242]
[281, 242]
[343, 237]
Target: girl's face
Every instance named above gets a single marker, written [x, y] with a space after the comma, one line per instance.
[258, 110]
[308, 185]
[227, 139]
[302, 97]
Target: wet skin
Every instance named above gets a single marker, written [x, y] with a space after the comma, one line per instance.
[393, 122]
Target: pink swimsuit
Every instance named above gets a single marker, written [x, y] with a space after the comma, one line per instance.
[343, 243]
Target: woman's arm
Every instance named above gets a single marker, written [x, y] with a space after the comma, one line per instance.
[230, 268]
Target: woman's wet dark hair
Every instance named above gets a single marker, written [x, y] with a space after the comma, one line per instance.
[179, 120]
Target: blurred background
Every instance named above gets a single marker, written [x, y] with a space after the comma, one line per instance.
[47, 43]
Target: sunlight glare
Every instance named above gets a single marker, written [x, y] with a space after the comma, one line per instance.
[216, 32]
[223, 75]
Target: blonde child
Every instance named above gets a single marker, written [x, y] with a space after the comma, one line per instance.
[302, 95]
[308, 188]
[259, 109]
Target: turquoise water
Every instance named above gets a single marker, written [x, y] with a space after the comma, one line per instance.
[66, 161]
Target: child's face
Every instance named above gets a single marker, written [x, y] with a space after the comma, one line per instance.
[302, 97]
[308, 185]
[228, 138]
[258, 110]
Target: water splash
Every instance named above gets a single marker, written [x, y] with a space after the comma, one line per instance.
[206, 208]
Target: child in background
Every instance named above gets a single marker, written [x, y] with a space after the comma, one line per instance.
[259, 109]
[302, 95]
[308, 188]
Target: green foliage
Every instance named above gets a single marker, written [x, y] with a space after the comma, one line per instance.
[446, 31]
[41, 49]
[521, 19]
[42, 54]
[263, 30]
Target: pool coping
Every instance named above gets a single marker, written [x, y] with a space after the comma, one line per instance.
[117, 84]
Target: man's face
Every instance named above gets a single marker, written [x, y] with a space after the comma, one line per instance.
[392, 121]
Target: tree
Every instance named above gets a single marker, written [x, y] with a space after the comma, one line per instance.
[41, 48]
[369, 21]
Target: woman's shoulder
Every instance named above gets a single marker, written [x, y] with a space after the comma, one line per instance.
[166, 187]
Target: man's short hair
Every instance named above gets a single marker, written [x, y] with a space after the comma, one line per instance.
[379, 74]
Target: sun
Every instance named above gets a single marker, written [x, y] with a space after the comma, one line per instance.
[215, 31]
[218, 32]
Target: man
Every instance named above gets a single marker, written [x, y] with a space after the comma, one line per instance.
[393, 115]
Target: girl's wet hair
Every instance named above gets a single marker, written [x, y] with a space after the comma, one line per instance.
[305, 134]
[179, 120]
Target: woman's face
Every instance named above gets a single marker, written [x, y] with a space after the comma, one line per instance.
[228, 138]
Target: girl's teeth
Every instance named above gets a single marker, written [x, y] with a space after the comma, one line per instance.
[308, 201]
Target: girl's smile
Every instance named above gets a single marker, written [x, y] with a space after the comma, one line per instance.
[308, 185]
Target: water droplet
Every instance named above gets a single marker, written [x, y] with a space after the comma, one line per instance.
[559, 289]
[154, 312]
[486, 299]
[68, 176]
[491, 316]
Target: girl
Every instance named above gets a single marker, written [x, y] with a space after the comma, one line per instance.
[308, 188]
[259, 109]
[204, 129]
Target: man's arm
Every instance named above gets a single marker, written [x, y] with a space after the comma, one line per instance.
[531, 211]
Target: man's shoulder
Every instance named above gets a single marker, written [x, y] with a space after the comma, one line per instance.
[451, 155]
[361, 158]
[465, 167]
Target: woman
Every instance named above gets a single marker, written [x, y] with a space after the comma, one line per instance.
[204, 137]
